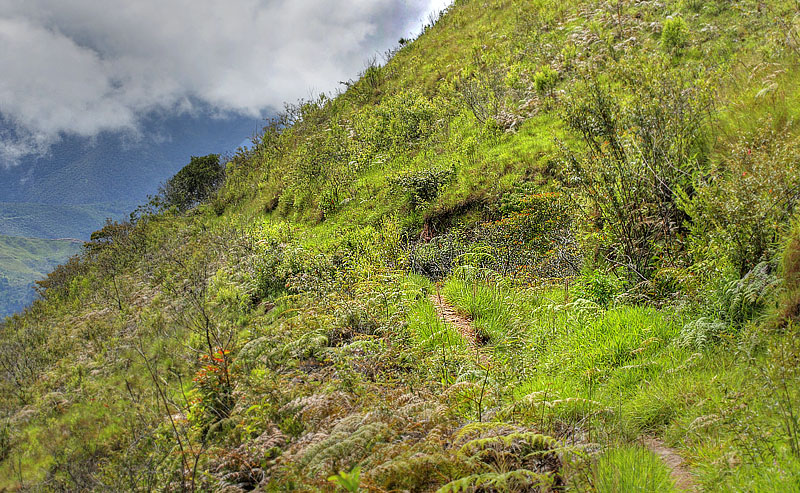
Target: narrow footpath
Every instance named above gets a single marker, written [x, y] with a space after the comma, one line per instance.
[683, 479]
[463, 324]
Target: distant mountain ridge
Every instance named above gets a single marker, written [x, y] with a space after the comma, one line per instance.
[50, 204]
[32, 220]
[24, 261]
[116, 167]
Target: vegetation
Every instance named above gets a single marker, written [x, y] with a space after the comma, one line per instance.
[545, 246]
[193, 184]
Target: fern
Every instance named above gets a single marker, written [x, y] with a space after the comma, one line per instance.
[516, 480]
[349, 441]
[701, 333]
[745, 298]
[535, 441]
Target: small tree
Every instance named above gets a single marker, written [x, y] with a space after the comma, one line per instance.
[674, 34]
[545, 80]
[194, 183]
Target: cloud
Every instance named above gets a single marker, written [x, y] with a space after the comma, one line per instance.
[87, 66]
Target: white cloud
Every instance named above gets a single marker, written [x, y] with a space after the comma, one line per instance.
[86, 66]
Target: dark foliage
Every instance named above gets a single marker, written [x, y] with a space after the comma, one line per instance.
[194, 183]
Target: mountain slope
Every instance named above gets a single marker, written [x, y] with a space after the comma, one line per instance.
[603, 195]
[24, 260]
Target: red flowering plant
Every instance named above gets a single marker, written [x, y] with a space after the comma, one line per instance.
[214, 386]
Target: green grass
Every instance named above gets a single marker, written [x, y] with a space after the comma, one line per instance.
[631, 469]
[429, 331]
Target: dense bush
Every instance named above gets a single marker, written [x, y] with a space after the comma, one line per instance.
[423, 185]
[194, 183]
[533, 228]
[742, 206]
[404, 119]
[596, 286]
[674, 34]
[640, 149]
[789, 307]
[435, 258]
[545, 79]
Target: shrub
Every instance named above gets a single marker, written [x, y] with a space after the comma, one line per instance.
[674, 34]
[745, 201]
[598, 287]
[434, 259]
[401, 120]
[214, 385]
[789, 306]
[423, 185]
[643, 141]
[61, 277]
[193, 184]
[533, 228]
[272, 261]
[544, 80]
[483, 93]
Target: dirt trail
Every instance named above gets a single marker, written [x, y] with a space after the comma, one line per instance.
[461, 323]
[684, 480]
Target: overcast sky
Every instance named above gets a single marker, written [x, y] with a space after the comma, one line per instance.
[87, 66]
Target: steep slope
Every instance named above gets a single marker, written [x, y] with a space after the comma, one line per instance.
[607, 191]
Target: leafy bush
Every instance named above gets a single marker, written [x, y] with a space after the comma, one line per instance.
[545, 79]
[403, 119]
[423, 185]
[639, 148]
[434, 259]
[746, 200]
[789, 305]
[60, 278]
[193, 184]
[272, 262]
[215, 387]
[534, 228]
[597, 286]
[674, 34]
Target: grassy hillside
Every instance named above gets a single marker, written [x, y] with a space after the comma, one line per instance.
[547, 246]
[25, 260]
